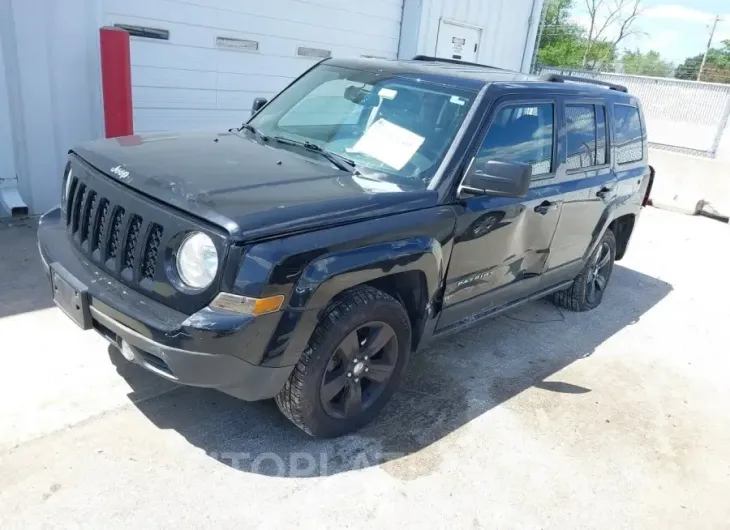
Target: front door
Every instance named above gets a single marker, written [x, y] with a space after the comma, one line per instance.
[502, 244]
[456, 41]
[588, 183]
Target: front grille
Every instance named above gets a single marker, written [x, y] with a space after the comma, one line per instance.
[88, 207]
[103, 215]
[131, 237]
[79, 198]
[152, 247]
[88, 216]
[115, 232]
[130, 247]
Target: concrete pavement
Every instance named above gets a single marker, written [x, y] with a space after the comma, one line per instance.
[616, 418]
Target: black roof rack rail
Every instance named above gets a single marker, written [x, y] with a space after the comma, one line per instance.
[559, 78]
[453, 61]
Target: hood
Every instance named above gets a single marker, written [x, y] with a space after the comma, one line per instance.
[249, 189]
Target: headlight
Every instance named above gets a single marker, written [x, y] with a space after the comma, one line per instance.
[197, 261]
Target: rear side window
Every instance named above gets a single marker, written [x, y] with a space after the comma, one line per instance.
[586, 136]
[629, 136]
[522, 133]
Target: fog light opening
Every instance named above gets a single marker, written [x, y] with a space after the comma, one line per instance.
[127, 351]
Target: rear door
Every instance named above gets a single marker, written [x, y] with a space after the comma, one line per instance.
[502, 244]
[588, 184]
[630, 164]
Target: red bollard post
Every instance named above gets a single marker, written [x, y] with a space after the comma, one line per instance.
[116, 81]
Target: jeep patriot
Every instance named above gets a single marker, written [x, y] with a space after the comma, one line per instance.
[368, 208]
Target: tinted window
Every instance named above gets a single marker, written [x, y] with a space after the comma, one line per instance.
[629, 141]
[581, 126]
[522, 133]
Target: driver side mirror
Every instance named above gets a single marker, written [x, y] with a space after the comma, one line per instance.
[501, 179]
[258, 104]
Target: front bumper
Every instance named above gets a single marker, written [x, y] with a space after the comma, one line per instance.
[207, 349]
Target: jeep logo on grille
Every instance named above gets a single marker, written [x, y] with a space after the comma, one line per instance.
[120, 172]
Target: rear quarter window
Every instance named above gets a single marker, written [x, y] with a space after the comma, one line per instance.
[629, 134]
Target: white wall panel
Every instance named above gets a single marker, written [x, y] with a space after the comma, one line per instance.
[190, 82]
[173, 98]
[152, 76]
[178, 119]
[7, 157]
[508, 28]
[51, 58]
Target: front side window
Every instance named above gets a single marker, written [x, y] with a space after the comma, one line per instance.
[395, 129]
[629, 136]
[522, 133]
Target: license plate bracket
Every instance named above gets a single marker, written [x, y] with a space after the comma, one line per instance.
[71, 296]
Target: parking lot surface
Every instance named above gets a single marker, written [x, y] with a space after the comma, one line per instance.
[541, 418]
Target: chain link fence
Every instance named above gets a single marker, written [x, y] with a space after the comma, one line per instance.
[685, 116]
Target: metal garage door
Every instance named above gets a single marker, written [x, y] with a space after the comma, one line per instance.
[206, 74]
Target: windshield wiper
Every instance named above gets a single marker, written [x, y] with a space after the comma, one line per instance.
[251, 128]
[339, 161]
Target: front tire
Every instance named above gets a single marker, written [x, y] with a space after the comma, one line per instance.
[588, 288]
[351, 366]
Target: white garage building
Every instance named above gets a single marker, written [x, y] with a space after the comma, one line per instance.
[201, 63]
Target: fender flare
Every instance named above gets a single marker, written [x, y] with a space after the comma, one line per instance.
[327, 276]
[331, 274]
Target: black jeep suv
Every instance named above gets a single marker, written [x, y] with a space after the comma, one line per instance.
[368, 208]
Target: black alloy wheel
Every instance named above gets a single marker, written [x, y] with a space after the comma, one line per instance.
[599, 274]
[589, 287]
[351, 366]
[359, 370]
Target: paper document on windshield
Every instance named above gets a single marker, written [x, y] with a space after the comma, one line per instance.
[389, 143]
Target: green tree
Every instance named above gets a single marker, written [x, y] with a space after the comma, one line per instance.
[650, 63]
[717, 65]
[569, 52]
[565, 44]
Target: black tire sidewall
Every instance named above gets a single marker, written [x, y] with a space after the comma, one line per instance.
[609, 238]
[383, 310]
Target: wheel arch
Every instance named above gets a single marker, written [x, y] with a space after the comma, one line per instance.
[410, 270]
[410, 289]
[622, 227]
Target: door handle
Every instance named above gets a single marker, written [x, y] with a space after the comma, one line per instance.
[546, 206]
[604, 192]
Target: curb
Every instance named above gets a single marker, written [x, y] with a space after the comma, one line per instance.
[676, 207]
[707, 210]
[703, 208]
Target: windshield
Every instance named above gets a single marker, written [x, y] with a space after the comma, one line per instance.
[394, 129]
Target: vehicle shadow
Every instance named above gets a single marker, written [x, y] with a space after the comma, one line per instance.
[447, 386]
[23, 283]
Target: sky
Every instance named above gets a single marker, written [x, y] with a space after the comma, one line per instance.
[677, 29]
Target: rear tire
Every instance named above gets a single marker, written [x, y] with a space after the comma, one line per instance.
[588, 288]
[351, 366]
